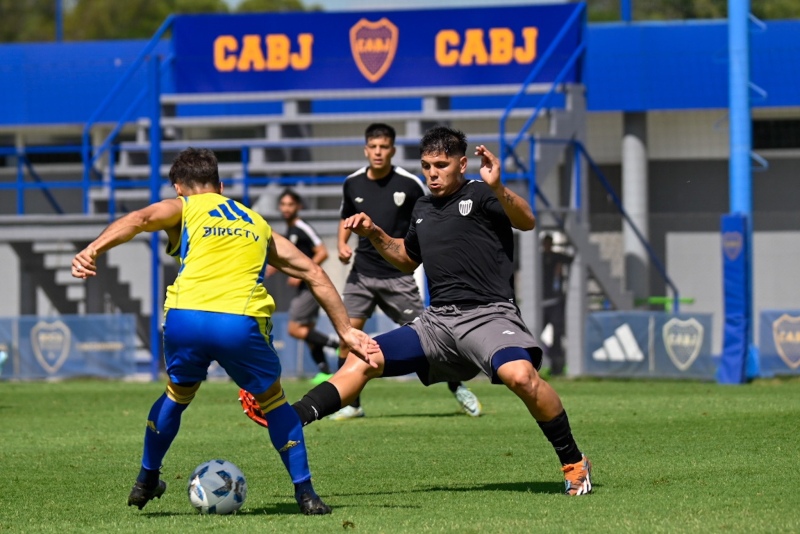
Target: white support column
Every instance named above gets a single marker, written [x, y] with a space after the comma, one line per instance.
[635, 199]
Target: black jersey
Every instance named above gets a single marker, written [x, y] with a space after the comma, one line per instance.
[389, 203]
[466, 244]
[303, 236]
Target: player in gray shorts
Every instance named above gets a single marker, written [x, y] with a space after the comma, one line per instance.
[463, 234]
[304, 308]
[399, 298]
[387, 194]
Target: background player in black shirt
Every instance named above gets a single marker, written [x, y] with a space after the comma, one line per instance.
[462, 233]
[304, 309]
[554, 268]
[387, 194]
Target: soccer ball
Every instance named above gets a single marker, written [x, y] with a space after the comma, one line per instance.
[217, 487]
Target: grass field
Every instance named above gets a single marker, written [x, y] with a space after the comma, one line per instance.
[668, 457]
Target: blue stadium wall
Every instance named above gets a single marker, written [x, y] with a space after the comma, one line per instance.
[629, 67]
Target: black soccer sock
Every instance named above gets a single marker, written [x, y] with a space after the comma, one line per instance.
[321, 401]
[558, 433]
[318, 355]
[453, 386]
[316, 337]
[357, 402]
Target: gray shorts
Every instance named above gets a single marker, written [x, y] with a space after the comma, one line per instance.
[398, 297]
[459, 344]
[304, 308]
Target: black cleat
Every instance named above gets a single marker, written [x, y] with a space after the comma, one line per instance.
[140, 496]
[311, 504]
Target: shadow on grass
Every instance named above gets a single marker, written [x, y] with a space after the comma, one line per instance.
[414, 415]
[552, 488]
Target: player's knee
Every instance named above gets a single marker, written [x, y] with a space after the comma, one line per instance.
[182, 393]
[296, 330]
[520, 377]
[356, 366]
[271, 399]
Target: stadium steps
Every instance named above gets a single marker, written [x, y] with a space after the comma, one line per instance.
[50, 263]
[599, 268]
[33, 264]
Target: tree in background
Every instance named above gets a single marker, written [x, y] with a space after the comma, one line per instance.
[27, 20]
[609, 10]
[34, 20]
[260, 6]
[128, 19]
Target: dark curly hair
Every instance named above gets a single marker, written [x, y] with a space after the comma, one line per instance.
[195, 167]
[443, 140]
[379, 129]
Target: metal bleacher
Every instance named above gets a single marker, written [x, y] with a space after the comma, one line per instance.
[298, 145]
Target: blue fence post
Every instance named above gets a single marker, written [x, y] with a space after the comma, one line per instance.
[738, 345]
[626, 10]
[112, 183]
[245, 175]
[153, 73]
[20, 183]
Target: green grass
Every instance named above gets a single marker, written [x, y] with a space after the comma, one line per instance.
[668, 457]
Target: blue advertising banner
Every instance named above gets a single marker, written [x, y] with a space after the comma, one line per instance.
[68, 346]
[649, 345]
[779, 342]
[352, 50]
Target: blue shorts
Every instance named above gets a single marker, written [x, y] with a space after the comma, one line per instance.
[242, 345]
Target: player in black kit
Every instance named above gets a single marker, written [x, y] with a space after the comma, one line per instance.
[304, 309]
[462, 233]
[387, 194]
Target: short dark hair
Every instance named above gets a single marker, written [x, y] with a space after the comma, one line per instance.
[195, 166]
[443, 140]
[379, 129]
[291, 193]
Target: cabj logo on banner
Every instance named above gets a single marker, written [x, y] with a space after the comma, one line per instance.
[683, 341]
[51, 343]
[732, 244]
[786, 334]
[374, 45]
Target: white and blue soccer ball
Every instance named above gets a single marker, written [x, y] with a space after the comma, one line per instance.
[217, 487]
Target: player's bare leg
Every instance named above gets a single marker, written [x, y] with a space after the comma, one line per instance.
[545, 406]
[352, 408]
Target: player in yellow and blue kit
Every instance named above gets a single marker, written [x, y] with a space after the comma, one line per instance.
[218, 309]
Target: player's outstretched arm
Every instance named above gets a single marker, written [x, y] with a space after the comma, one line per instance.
[393, 249]
[164, 215]
[287, 258]
[517, 208]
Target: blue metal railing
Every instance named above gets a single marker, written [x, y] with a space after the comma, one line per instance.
[581, 151]
[20, 185]
[578, 16]
[90, 156]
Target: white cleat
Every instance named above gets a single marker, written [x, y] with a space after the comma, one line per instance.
[348, 412]
[468, 401]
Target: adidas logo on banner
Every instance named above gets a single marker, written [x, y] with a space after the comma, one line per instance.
[621, 347]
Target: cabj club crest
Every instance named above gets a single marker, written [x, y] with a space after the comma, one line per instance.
[683, 341]
[374, 45]
[51, 343]
[786, 334]
[732, 244]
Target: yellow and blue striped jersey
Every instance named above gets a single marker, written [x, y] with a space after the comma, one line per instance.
[223, 258]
